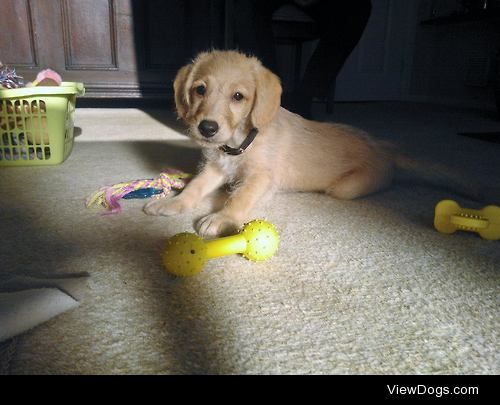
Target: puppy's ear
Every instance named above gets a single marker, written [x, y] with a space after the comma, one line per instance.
[267, 97]
[181, 91]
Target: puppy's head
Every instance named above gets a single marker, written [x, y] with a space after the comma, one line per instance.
[222, 93]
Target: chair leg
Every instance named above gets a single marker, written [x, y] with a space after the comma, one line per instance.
[330, 98]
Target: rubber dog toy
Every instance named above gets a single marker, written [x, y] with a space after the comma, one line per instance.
[47, 77]
[450, 217]
[185, 254]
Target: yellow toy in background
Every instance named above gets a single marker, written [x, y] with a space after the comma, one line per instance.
[450, 217]
[185, 254]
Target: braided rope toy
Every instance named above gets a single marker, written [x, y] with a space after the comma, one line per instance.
[108, 196]
[9, 79]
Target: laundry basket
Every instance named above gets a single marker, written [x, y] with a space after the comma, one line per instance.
[36, 124]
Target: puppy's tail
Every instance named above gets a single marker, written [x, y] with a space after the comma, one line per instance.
[444, 177]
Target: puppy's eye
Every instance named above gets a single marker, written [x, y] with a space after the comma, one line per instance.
[201, 90]
[238, 96]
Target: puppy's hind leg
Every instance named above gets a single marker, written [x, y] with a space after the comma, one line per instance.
[359, 182]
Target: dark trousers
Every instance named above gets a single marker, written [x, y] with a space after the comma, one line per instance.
[340, 24]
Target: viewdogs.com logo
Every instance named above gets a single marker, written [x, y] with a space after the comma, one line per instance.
[437, 392]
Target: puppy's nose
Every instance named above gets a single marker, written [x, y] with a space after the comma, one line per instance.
[208, 128]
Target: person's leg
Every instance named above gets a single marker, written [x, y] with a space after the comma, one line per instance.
[340, 26]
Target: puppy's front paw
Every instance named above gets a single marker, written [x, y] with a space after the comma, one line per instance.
[216, 225]
[166, 207]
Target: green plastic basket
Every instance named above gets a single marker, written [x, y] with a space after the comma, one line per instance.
[36, 124]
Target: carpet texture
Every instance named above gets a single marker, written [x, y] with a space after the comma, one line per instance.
[357, 287]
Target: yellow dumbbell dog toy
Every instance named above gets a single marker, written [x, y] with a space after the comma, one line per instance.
[186, 253]
[449, 217]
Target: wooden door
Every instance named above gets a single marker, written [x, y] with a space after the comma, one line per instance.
[117, 48]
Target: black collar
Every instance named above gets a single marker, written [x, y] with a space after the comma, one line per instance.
[246, 143]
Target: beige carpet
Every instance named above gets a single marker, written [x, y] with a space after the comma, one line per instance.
[366, 286]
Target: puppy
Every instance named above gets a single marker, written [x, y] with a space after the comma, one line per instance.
[231, 104]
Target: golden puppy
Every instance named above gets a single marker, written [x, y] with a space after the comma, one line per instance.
[231, 104]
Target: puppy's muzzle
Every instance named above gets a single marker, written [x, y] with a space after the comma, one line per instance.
[208, 128]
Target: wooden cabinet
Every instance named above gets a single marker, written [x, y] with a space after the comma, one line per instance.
[117, 48]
